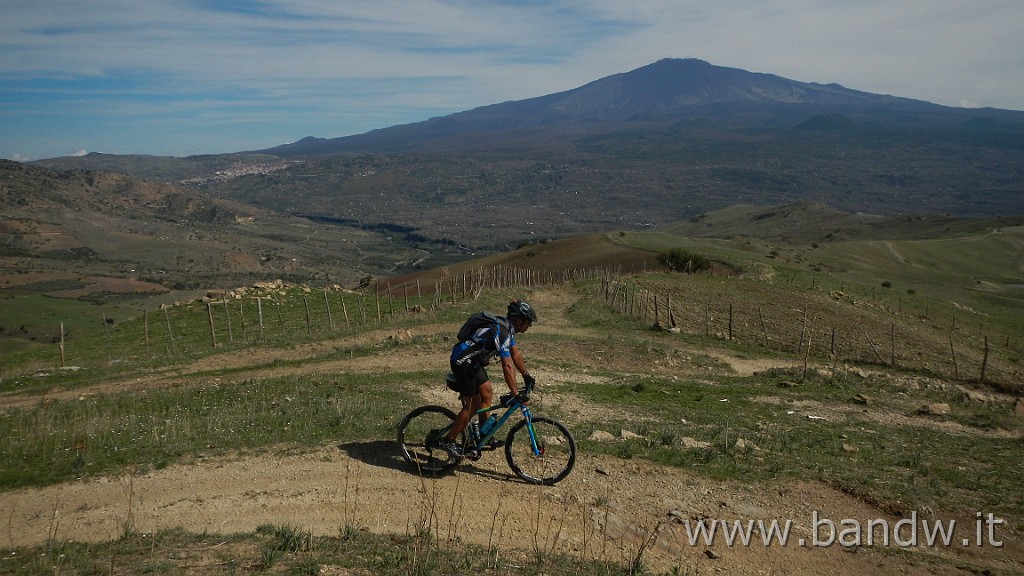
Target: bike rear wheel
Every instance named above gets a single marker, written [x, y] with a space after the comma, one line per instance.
[557, 451]
[418, 436]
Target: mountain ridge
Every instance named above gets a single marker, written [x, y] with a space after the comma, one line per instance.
[636, 150]
[665, 92]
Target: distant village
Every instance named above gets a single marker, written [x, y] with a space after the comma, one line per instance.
[240, 169]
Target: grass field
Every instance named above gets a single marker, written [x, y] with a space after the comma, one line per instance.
[206, 382]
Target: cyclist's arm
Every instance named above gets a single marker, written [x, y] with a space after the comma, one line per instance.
[509, 371]
[517, 360]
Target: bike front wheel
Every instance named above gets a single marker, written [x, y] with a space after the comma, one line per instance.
[547, 462]
[418, 437]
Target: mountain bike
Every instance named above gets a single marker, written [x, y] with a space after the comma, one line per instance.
[539, 450]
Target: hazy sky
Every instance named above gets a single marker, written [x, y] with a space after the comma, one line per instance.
[181, 77]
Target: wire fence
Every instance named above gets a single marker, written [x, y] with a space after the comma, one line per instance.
[833, 325]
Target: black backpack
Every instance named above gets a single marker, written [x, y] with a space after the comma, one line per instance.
[478, 321]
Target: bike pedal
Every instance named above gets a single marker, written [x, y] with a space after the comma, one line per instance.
[472, 454]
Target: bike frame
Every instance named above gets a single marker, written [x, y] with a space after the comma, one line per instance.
[516, 405]
[527, 414]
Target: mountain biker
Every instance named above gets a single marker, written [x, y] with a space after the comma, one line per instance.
[487, 336]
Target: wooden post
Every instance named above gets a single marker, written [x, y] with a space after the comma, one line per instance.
[730, 320]
[110, 345]
[330, 318]
[241, 319]
[376, 297]
[807, 351]
[803, 332]
[259, 314]
[671, 315]
[309, 325]
[227, 314]
[209, 315]
[892, 354]
[874, 349]
[952, 352]
[764, 329]
[984, 362]
[61, 344]
[280, 318]
[145, 329]
[344, 309]
[170, 333]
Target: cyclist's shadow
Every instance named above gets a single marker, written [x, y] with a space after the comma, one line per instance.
[387, 454]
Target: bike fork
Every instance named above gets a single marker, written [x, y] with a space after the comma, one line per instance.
[538, 450]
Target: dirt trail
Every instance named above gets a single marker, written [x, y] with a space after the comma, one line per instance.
[607, 508]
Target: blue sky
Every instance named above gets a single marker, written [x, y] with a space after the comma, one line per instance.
[181, 77]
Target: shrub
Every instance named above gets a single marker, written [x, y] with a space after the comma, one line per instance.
[680, 260]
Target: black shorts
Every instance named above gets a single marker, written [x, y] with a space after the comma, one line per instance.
[469, 377]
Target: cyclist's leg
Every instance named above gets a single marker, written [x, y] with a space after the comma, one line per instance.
[462, 418]
[468, 383]
[483, 399]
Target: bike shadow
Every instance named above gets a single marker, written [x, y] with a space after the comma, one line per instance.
[387, 454]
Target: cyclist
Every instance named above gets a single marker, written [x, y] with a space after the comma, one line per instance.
[482, 337]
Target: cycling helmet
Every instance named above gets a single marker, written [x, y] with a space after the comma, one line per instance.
[520, 309]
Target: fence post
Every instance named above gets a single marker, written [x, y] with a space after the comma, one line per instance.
[874, 348]
[984, 362]
[376, 298]
[344, 310]
[209, 314]
[764, 330]
[241, 319]
[671, 314]
[170, 333]
[892, 353]
[61, 344]
[803, 331]
[952, 352]
[227, 314]
[807, 351]
[110, 344]
[330, 318]
[259, 314]
[280, 318]
[309, 327]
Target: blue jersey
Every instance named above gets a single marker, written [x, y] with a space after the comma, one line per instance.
[494, 339]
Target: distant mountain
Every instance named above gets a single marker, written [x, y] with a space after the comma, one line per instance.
[638, 150]
[661, 94]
